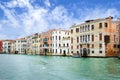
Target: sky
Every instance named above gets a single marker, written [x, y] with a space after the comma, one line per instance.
[19, 18]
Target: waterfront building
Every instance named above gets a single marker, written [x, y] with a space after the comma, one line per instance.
[55, 42]
[20, 46]
[12, 46]
[46, 43]
[1, 43]
[60, 42]
[36, 44]
[97, 37]
[118, 30]
[33, 44]
[7, 46]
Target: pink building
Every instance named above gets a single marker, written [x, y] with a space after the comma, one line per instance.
[46, 43]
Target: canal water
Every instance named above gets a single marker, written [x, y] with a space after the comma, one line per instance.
[27, 67]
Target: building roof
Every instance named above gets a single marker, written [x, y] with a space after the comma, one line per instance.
[20, 39]
[91, 21]
[8, 40]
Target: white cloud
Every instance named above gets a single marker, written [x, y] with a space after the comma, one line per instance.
[11, 20]
[47, 3]
[39, 19]
[20, 3]
[94, 13]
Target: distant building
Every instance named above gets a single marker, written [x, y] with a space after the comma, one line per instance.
[12, 49]
[46, 43]
[55, 42]
[98, 38]
[20, 46]
[118, 30]
[1, 45]
[33, 44]
[7, 46]
[60, 42]
[36, 44]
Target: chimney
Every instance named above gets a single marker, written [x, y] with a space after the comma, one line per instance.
[110, 17]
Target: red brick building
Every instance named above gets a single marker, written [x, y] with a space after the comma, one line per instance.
[0, 46]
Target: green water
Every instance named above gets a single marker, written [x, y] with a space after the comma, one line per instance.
[26, 67]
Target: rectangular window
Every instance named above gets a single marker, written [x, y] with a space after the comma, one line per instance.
[92, 45]
[59, 45]
[67, 45]
[106, 39]
[106, 25]
[88, 37]
[115, 45]
[77, 46]
[85, 28]
[71, 31]
[71, 47]
[53, 45]
[80, 38]
[59, 38]
[53, 37]
[80, 46]
[60, 50]
[114, 38]
[100, 45]
[77, 30]
[88, 45]
[68, 51]
[100, 36]
[71, 40]
[63, 45]
[100, 25]
[88, 27]
[56, 50]
[56, 37]
[77, 39]
[92, 27]
[92, 37]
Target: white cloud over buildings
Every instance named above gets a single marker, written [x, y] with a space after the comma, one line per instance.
[38, 19]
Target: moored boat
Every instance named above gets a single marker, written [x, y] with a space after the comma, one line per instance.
[76, 56]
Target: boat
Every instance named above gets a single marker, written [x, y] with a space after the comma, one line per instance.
[76, 56]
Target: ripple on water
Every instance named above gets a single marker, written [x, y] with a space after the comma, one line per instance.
[17, 67]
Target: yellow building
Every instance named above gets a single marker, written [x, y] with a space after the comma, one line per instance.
[13, 47]
[33, 44]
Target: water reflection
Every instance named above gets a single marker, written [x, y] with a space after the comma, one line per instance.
[112, 66]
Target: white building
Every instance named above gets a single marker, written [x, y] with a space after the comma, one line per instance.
[20, 46]
[61, 42]
[7, 46]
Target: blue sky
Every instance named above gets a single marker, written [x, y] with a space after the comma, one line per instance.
[19, 18]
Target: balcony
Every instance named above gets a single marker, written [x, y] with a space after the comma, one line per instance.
[45, 40]
[45, 45]
[85, 42]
